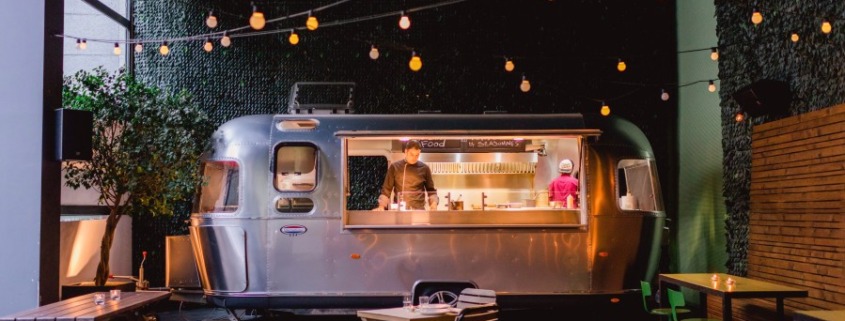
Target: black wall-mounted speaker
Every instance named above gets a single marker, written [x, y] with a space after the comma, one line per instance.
[74, 133]
[764, 97]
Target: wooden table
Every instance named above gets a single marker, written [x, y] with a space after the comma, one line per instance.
[742, 288]
[819, 315]
[401, 314]
[82, 308]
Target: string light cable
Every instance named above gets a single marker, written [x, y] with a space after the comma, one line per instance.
[238, 32]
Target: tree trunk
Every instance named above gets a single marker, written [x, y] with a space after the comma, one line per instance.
[105, 247]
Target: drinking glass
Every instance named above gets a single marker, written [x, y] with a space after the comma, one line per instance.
[114, 295]
[423, 301]
[407, 303]
[99, 298]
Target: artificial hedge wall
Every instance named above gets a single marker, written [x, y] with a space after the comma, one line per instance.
[812, 67]
[567, 49]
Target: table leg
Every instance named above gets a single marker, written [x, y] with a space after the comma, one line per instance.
[702, 304]
[780, 309]
[727, 312]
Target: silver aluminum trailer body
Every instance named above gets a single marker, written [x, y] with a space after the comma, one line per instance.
[253, 256]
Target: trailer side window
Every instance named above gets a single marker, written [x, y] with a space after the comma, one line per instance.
[296, 168]
[221, 188]
[637, 188]
[294, 205]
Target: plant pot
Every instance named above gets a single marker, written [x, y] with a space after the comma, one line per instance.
[77, 289]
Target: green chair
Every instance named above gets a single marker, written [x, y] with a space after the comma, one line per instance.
[676, 299]
[660, 312]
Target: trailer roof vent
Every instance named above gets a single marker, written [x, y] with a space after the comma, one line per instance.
[321, 98]
[297, 124]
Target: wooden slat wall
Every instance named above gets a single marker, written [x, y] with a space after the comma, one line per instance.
[797, 216]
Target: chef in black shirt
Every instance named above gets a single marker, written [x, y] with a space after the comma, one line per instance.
[410, 179]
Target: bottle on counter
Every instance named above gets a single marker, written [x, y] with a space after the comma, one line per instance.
[570, 201]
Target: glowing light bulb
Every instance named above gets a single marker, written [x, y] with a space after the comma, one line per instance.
[164, 50]
[605, 109]
[714, 54]
[404, 21]
[664, 96]
[139, 47]
[621, 66]
[826, 27]
[78, 43]
[525, 85]
[116, 49]
[374, 53]
[794, 37]
[294, 38]
[211, 21]
[83, 45]
[739, 117]
[711, 86]
[509, 65]
[312, 23]
[207, 46]
[756, 17]
[416, 63]
[226, 41]
[256, 21]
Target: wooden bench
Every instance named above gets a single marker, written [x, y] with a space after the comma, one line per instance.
[82, 308]
[819, 315]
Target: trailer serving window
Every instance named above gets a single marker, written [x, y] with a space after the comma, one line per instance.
[638, 189]
[483, 181]
[220, 191]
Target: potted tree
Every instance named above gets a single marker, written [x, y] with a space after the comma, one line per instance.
[146, 148]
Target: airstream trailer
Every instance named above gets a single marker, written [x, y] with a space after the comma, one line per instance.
[285, 219]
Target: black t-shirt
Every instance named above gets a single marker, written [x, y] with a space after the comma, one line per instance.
[413, 181]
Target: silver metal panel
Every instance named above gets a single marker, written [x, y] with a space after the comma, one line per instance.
[360, 262]
[221, 255]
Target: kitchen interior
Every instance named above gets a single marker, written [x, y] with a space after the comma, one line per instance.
[487, 180]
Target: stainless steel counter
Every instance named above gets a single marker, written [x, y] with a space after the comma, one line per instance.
[488, 218]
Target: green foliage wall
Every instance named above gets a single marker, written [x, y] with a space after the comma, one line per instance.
[567, 49]
[812, 67]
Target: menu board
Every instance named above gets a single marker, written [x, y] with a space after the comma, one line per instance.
[497, 145]
[470, 145]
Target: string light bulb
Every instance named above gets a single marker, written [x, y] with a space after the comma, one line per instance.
[756, 17]
[116, 49]
[256, 21]
[79, 44]
[794, 37]
[164, 50]
[83, 45]
[225, 40]
[826, 27]
[416, 63]
[374, 52]
[139, 47]
[207, 46]
[664, 96]
[714, 54]
[404, 21]
[211, 21]
[621, 66]
[525, 85]
[739, 117]
[605, 109]
[711, 86]
[312, 22]
[294, 38]
[509, 64]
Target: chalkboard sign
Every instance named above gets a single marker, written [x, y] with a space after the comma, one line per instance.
[467, 145]
[494, 145]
